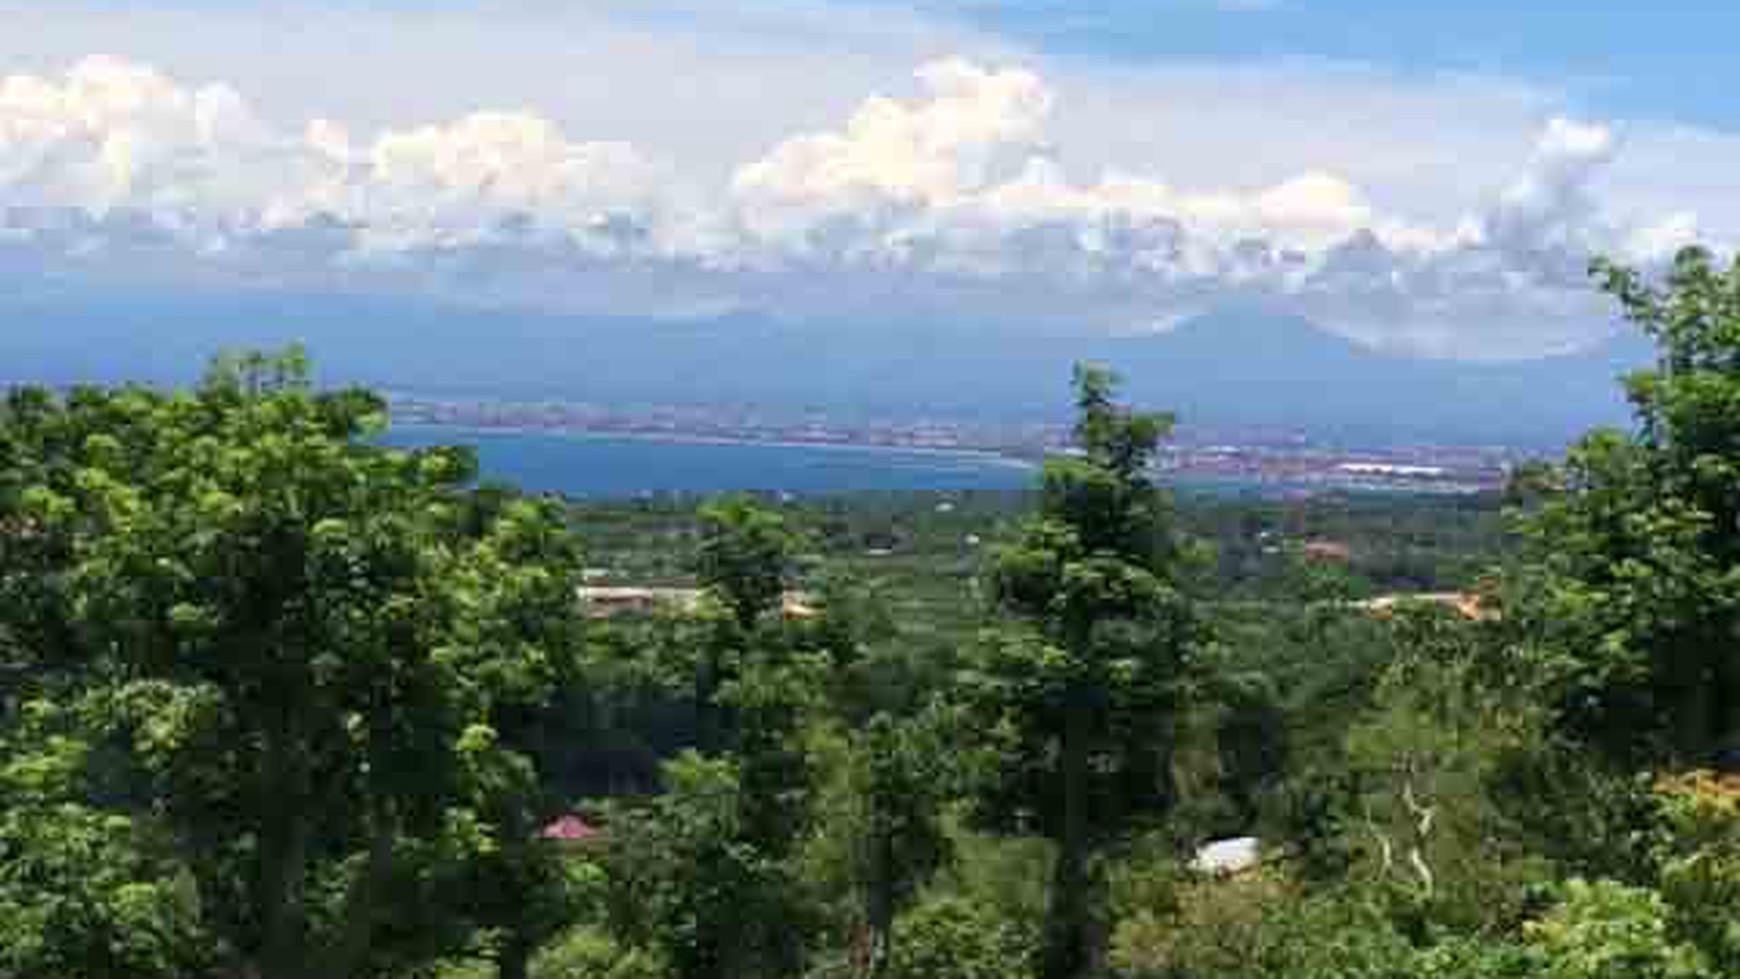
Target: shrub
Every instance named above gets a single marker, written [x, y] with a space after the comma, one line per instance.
[1606, 930]
[952, 938]
[587, 953]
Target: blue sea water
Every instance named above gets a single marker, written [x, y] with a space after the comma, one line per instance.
[598, 466]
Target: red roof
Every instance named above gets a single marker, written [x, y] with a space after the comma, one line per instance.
[570, 829]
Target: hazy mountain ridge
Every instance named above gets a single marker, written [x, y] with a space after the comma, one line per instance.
[1227, 369]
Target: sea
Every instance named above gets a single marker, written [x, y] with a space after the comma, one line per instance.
[599, 466]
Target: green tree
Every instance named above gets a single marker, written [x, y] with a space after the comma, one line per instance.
[300, 659]
[83, 892]
[955, 938]
[1078, 707]
[1604, 930]
[852, 623]
[706, 875]
[743, 563]
[1431, 761]
[745, 557]
[1700, 862]
[1629, 598]
[688, 886]
[899, 780]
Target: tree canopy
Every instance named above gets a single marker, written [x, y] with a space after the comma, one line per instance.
[277, 700]
[1632, 592]
[281, 650]
[1080, 704]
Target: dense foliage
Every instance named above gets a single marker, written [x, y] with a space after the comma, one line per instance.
[278, 702]
[278, 659]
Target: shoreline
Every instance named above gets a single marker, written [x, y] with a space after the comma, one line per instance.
[1184, 481]
[680, 438]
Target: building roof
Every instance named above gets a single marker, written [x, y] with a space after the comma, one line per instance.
[603, 602]
[571, 829]
[1327, 550]
[1231, 856]
[1469, 605]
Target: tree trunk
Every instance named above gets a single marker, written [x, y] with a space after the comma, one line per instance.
[707, 959]
[1695, 719]
[879, 903]
[280, 895]
[1728, 709]
[1069, 933]
[356, 939]
[514, 959]
[283, 846]
[708, 723]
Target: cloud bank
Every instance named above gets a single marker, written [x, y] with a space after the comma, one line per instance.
[957, 203]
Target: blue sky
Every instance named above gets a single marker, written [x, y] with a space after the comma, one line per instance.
[1670, 59]
[1424, 176]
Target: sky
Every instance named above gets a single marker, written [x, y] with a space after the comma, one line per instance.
[1423, 176]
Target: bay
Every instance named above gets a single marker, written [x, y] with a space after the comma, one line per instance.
[581, 465]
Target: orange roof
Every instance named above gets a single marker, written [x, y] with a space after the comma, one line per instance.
[1468, 604]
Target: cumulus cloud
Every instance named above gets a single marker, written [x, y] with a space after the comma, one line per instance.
[976, 127]
[1551, 204]
[976, 155]
[967, 183]
[118, 137]
[957, 202]
[463, 183]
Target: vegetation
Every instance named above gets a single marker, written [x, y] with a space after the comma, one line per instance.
[1078, 710]
[280, 660]
[280, 702]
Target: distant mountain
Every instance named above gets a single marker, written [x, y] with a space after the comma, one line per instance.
[1222, 370]
[1246, 370]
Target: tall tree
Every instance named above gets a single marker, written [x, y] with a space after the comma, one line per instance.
[1079, 705]
[899, 779]
[706, 875]
[745, 557]
[743, 563]
[1630, 591]
[301, 656]
[686, 886]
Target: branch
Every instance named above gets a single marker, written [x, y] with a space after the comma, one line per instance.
[1384, 845]
[357, 937]
[1423, 828]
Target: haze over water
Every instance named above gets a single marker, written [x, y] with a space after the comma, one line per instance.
[589, 466]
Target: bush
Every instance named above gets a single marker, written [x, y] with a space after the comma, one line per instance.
[1606, 930]
[952, 938]
[587, 953]
[1260, 926]
[1700, 863]
[1467, 958]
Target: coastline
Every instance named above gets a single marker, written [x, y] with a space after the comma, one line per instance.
[681, 438]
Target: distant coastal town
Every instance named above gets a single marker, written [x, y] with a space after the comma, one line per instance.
[1288, 461]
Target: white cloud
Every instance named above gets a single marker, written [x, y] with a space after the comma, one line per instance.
[115, 136]
[1551, 203]
[913, 187]
[976, 159]
[955, 201]
[975, 126]
[461, 183]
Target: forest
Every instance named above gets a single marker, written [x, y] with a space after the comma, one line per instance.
[277, 702]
